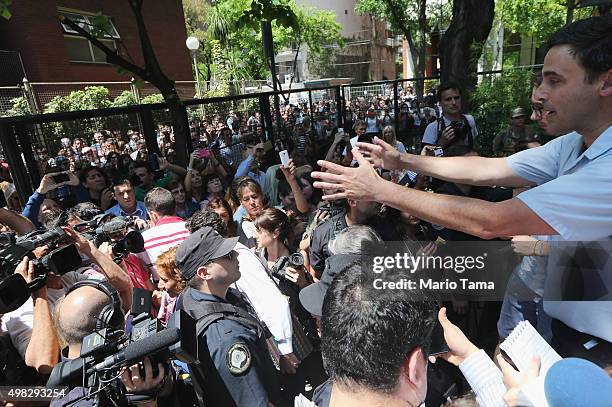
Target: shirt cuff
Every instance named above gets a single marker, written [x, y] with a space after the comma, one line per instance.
[285, 346]
[480, 371]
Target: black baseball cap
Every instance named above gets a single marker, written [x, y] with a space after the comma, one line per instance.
[312, 296]
[200, 248]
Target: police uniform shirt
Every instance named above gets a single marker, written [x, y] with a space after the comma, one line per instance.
[241, 358]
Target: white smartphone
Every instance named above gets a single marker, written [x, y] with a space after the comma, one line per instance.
[284, 157]
[438, 152]
[340, 130]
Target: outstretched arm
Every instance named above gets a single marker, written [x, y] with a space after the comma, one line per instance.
[476, 217]
[464, 170]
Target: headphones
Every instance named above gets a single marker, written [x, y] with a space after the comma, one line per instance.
[111, 315]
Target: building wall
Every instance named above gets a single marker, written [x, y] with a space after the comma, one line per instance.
[34, 30]
[366, 42]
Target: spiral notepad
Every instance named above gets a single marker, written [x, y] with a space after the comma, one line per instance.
[525, 342]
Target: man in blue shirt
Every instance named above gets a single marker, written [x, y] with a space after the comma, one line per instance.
[572, 194]
[127, 205]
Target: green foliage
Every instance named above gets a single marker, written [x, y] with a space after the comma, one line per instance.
[126, 98]
[493, 100]
[92, 97]
[154, 98]
[537, 18]
[241, 54]
[4, 9]
[19, 107]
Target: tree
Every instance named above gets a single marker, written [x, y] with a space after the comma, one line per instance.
[242, 50]
[150, 71]
[537, 18]
[410, 18]
[462, 43]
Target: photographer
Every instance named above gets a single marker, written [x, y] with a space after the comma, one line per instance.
[274, 229]
[38, 202]
[454, 132]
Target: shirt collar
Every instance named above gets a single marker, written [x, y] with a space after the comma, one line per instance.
[168, 219]
[602, 144]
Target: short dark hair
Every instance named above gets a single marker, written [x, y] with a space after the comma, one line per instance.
[85, 211]
[590, 41]
[368, 333]
[446, 86]
[142, 164]
[206, 217]
[161, 201]
[85, 173]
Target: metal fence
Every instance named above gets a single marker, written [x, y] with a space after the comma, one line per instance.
[41, 93]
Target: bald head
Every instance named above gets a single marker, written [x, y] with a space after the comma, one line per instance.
[77, 313]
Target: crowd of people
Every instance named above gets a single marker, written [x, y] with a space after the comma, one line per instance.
[273, 257]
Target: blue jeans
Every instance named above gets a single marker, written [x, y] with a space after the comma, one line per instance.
[522, 304]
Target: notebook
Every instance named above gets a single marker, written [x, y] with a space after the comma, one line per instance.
[521, 345]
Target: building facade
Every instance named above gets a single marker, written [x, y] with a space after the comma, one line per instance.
[52, 52]
[369, 51]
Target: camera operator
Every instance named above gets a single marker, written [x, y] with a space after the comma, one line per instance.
[25, 324]
[77, 315]
[454, 132]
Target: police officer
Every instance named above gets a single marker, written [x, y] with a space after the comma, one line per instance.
[235, 368]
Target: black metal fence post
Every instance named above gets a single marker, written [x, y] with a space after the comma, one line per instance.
[266, 116]
[395, 107]
[339, 105]
[148, 129]
[26, 148]
[18, 170]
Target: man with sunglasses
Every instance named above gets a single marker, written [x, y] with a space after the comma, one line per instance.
[235, 368]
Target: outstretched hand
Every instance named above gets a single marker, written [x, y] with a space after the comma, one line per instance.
[358, 183]
[460, 347]
[381, 154]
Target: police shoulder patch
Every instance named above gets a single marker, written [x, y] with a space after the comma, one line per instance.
[238, 358]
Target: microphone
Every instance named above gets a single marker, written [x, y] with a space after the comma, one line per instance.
[136, 351]
[574, 382]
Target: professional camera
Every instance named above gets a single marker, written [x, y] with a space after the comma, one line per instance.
[14, 291]
[461, 130]
[119, 231]
[279, 270]
[105, 352]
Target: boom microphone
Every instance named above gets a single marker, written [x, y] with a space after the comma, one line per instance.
[136, 351]
[574, 382]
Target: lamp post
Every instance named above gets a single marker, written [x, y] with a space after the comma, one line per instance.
[193, 44]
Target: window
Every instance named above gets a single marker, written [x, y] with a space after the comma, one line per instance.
[78, 47]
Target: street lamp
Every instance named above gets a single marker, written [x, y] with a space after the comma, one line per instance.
[193, 44]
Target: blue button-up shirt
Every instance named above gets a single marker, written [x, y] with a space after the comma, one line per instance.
[141, 211]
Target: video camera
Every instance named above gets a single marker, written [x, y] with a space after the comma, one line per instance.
[119, 231]
[14, 291]
[104, 354]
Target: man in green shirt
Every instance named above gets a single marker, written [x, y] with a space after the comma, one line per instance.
[147, 176]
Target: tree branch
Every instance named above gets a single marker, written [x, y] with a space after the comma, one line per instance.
[111, 55]
[152, 68]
